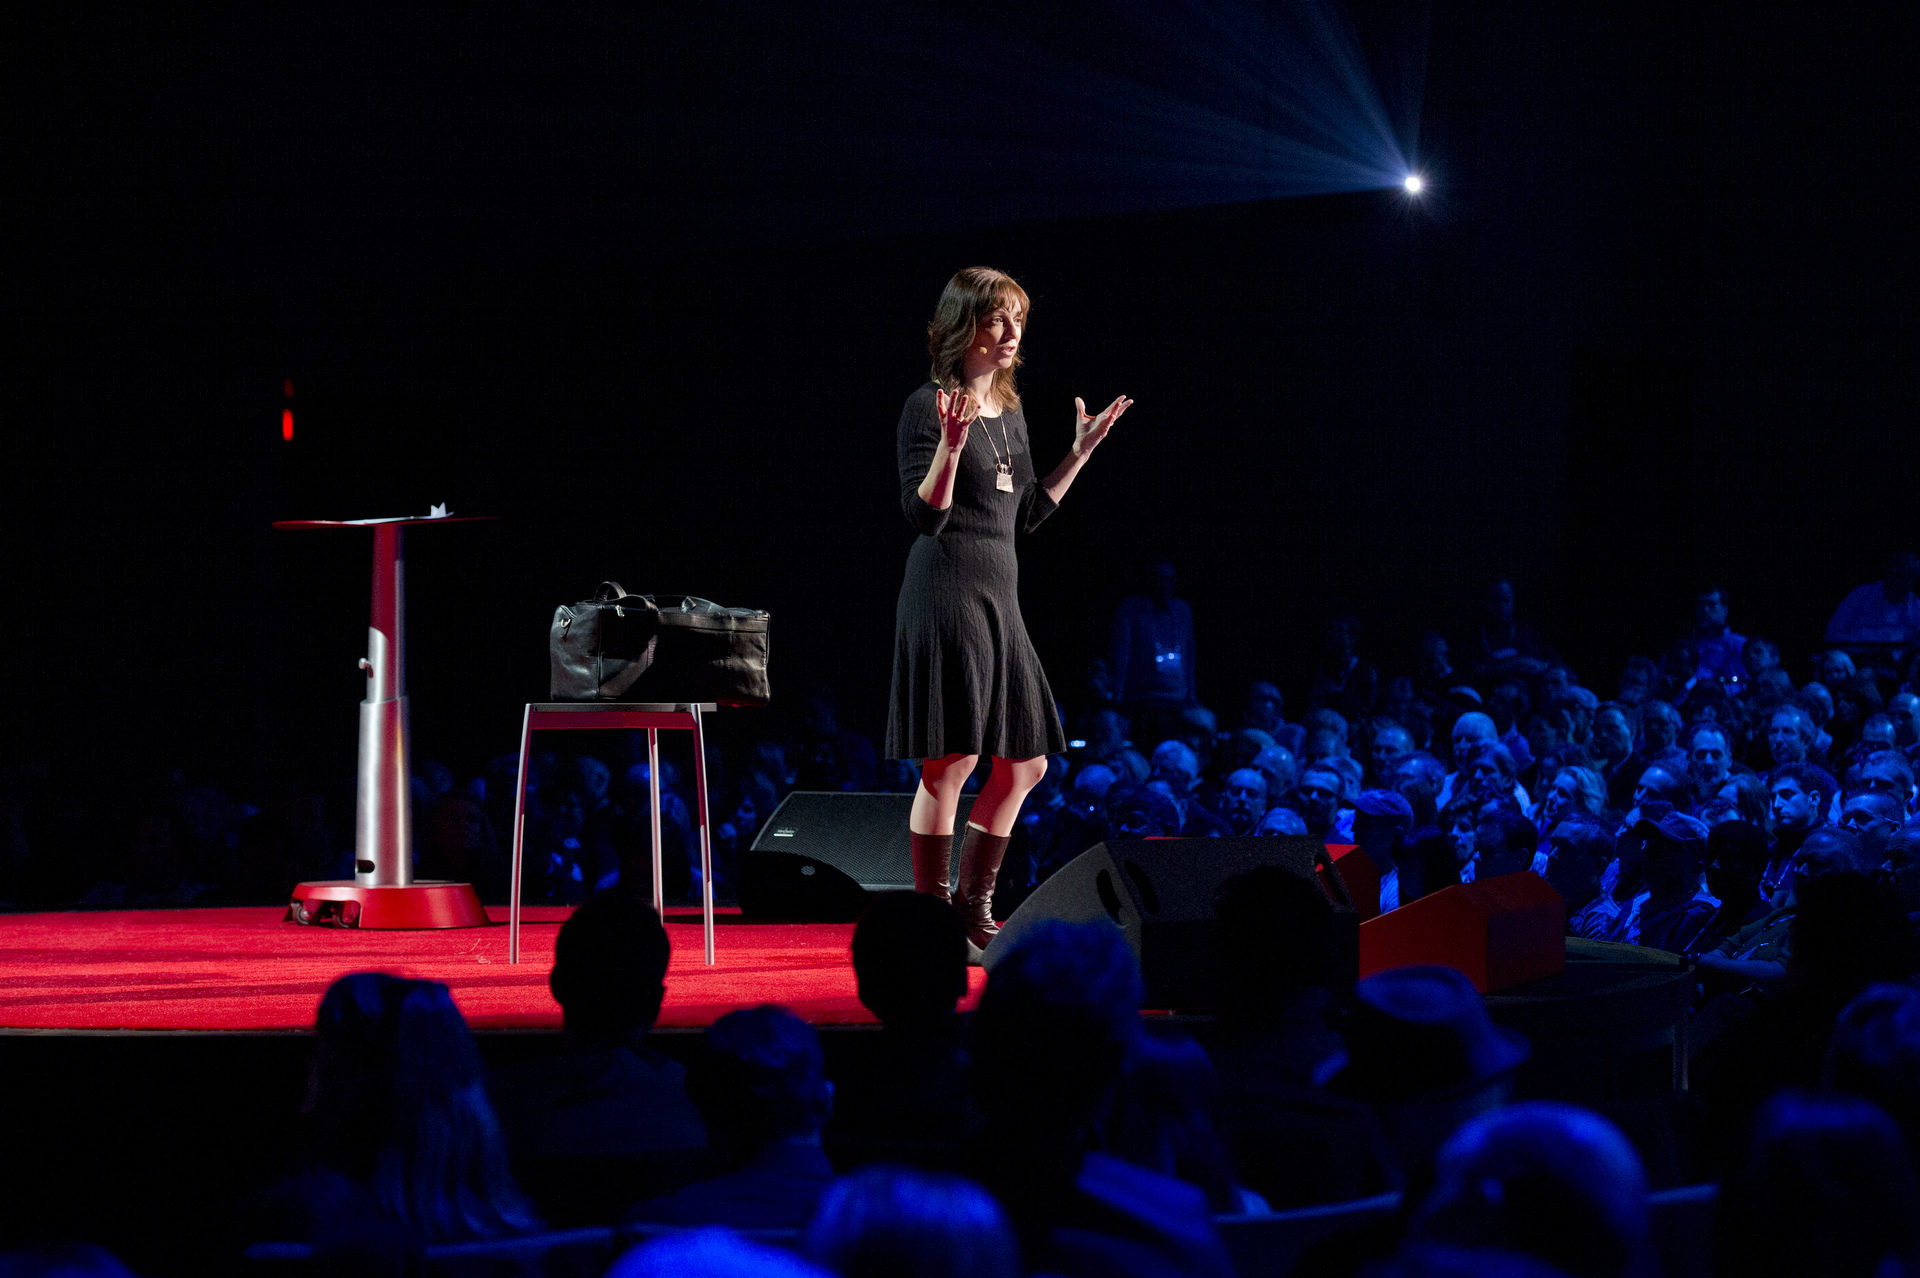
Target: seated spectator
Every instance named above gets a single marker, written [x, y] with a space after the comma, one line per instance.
[1547, 1180]
[1888, 772]
[1319, 793]
[761, 1089]
[1572, 790]
[1874, 817]
[1151, 654]
[711, 1253]
[1823, 1186]
[458, 845]
[1345, 681]
[1265, 708]
[1756, 956]
[1874, 1053]
[1381, 823]
[1800, 794]
[1748, 796]
[1709, 762]
[834, 758]
[1458, 822]
[1504, 843]
[1163, 1120]
[1137, 812]
[1623, 885]
[605, 1122]
[1903, 708]
[1883, 612]
[906, 1100]
[1471, 732]
[1579, 849]
[1759, 656]
[1278, 766]
[1678, 906]
[1195, 820]
[1636, 681]
[1425, 1056]
[1293, 1142]
[1736, 856]
[1502, 646]
[1418, 778]
[1052, 1033]
[888, 1222]
[1612, 747]
[1280, 820]
[1719, 647]
[1660, 735]
[1492, 772]
[1244, 801]
[1818, 703]
[407, 1152]
[1391, 743]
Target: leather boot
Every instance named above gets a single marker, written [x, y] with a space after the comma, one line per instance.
[932, 864]
[980, 857]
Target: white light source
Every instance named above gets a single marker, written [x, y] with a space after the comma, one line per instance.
[1413, 184]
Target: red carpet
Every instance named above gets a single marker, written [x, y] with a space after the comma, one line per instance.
[245, 969]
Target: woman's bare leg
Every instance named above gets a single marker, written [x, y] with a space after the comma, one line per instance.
[937, 796]
[1005, 789]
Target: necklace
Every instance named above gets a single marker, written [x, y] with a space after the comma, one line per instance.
[1002, 470]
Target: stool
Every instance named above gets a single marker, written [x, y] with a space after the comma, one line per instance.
[652, 716]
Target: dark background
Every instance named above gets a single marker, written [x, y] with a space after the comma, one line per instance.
[572, 267]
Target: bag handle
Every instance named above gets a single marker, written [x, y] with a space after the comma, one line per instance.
[602, 595]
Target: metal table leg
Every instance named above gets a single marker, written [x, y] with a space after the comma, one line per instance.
[706, 830]
[519, 838]
[653, 792]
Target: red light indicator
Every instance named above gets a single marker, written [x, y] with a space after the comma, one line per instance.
[286, 424]
[286, 384]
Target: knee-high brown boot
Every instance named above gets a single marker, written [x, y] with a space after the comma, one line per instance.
[932, 864]
[980, 856]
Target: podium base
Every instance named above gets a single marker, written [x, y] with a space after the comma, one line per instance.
[427, 903]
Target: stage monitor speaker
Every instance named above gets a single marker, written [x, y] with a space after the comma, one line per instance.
[1160, 892]
[822, 851]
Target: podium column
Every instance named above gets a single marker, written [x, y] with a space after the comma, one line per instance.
[383, 809]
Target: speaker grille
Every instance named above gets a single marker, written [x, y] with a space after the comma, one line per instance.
[862, 835]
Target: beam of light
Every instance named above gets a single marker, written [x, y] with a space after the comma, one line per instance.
[1414, 184]
[286, 424]
[912, 118]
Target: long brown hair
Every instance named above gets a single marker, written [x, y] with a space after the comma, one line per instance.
[969, 297]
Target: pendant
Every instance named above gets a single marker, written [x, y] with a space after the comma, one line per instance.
[1003, 477]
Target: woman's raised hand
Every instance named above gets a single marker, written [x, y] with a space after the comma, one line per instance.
[957, 411]
[1089, 431]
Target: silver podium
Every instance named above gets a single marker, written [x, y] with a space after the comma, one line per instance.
[383, 892]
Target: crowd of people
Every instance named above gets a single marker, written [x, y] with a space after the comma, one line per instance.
[1709, 807]
[1055, 1129]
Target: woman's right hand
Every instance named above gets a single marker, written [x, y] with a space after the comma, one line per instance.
[957, 411]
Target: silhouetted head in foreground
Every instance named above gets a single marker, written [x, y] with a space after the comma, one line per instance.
[399, 1104]
[885, 1222]
[1825, 1187]
[761, 1079]
[910, 958]
[1546, 1180]
[610, 968]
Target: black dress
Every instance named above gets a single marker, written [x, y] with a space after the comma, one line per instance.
[965, 677]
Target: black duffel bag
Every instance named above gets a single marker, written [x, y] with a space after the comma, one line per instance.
[621, 647]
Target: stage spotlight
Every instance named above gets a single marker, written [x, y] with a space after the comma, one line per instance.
[1413, 184]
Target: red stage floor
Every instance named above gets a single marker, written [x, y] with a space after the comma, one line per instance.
[246, 969]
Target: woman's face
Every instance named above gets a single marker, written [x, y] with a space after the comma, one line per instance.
[1561, 798]
[1486, 775]
[999, 333]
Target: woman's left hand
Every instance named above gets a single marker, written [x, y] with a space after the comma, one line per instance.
[1089, 431]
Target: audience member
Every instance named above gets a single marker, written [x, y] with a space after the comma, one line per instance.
[1736, 856]
[761, 1088]
[1612, 746]
[906, 1099]
[1244, 801]
[1579, 848]
[1501, 645]
[406, 1149]
[1709, 760]
[894, 1222]
[1151, 654]
[1426, 1057]
[1265, 708]
[1874, 817]
[1719, 647]
[711, 1253]
[1874, 1053]
[1381, 824]
[605, 1122]
[1678, 907]
[1293, 1142]
[1881, 612]
[1545, 1180]
[1418, 777]
[1390, 744]
[1800, 794]
[1319, 796]
[1823, 1186]
[1052, 1033]
[1163, 1120]
[1747, 795]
